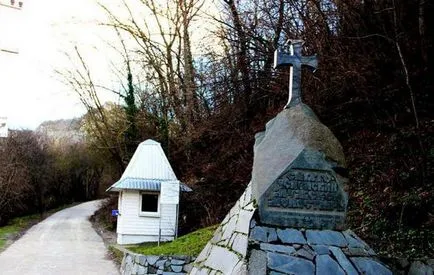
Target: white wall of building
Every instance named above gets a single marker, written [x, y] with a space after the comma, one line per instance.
[133, 227]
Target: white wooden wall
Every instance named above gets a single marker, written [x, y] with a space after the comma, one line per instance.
[131, 225]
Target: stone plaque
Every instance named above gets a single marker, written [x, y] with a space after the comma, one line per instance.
[306, 189]
[305, 196]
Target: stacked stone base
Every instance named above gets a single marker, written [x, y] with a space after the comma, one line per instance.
[291, 251]
[243, 246]
[136, 264]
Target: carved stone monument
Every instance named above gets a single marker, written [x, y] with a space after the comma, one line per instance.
[295, 179]
[297, 190]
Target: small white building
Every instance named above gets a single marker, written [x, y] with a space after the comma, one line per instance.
[149, 194]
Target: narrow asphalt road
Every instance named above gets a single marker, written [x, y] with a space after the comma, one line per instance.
[64, 243]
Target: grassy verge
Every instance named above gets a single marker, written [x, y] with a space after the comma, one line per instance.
[190, 244]
[15, 227]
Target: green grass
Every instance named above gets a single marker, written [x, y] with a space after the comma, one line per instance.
[190, 244]
[16, 226]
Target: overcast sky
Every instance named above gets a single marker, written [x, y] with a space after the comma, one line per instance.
[29, 94]
[30, 91]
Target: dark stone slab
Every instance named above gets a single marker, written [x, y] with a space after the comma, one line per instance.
[306, 252]
[289, 264]
[357, 251]
[291, 236]
[343, 261]
[321, 249]
[277, 248]
[259, 233]
[326, 237]
[353, 239]
[308, 184]
[325, 265]
[271, 235]
[257, 263]
[369, 266]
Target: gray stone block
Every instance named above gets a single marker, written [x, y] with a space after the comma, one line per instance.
[177, 262]
[257, 263]
[128, 259]
[285, 137]
[419, 268]
[160, 263]
[306, 252]
[222, 259]
[171, 273]
[291, 236]
[240, 243]
[271, 235]
[310, 184]
[326, 237]
[135, 269]
[142, 270]
[176, 268]
[152, 259]
[240, 268]
[188, 267]
[142, 260]
[277, 248]
[259, 233]
[343, 261]
[369, 266]
[228, 228]
[356, 251]
[217, 237]
[243, 223]
[353, 240]
[326, 265]
[321, 249]
[289, 264]
[152, 270]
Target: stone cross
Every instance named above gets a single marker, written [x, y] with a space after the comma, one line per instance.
[295, 60]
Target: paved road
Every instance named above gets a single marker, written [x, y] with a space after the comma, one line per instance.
[64, 243]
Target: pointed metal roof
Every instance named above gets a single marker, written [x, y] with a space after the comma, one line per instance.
[148, 168]
[149, 162]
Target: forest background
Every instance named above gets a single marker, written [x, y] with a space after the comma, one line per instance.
[373, 88]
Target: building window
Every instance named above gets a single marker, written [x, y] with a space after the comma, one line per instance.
[149, 203]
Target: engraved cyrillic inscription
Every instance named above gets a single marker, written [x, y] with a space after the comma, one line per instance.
[306, 189]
